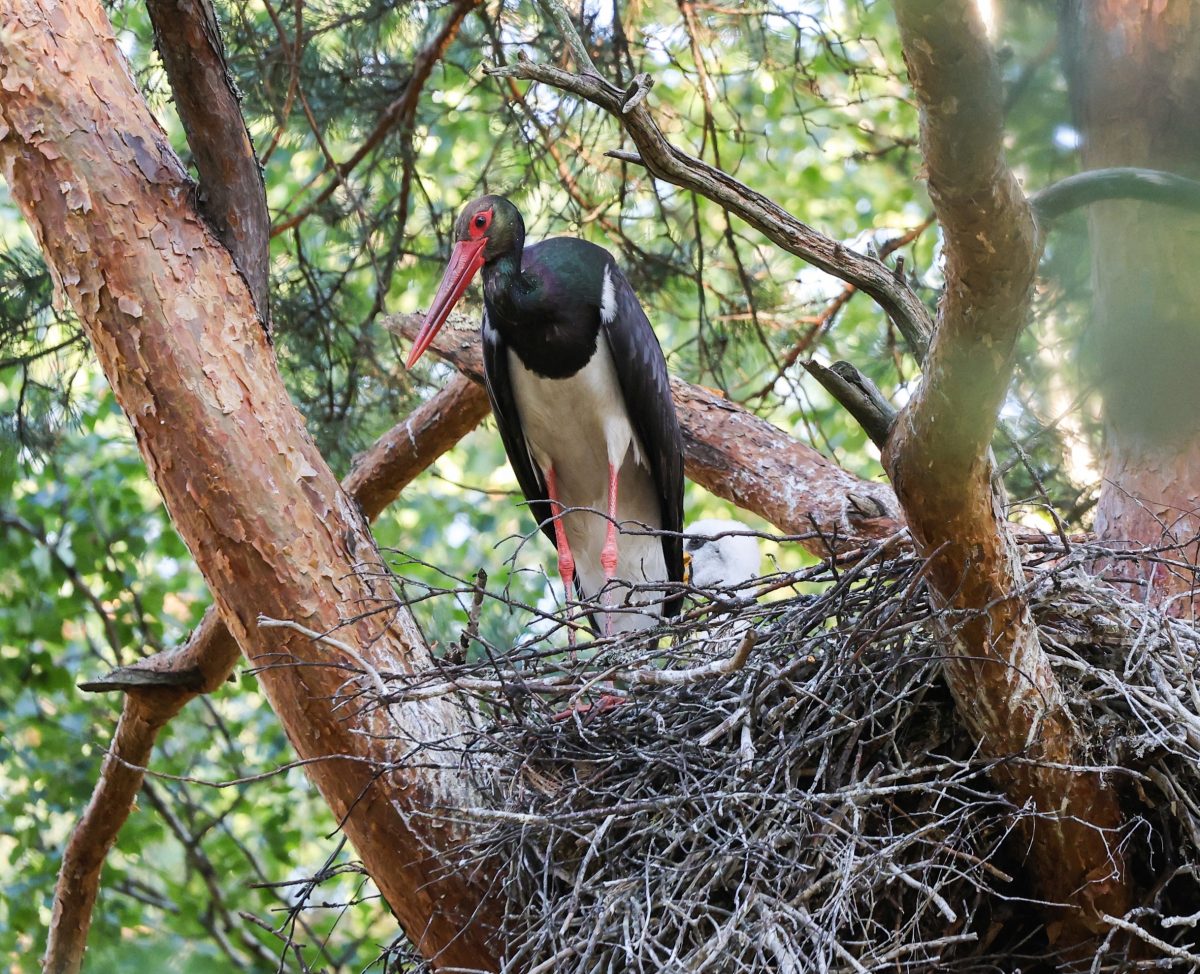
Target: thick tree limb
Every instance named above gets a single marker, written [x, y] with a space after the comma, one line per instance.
[736, 455]
[158, 688]
[939, 461]
[1117, 183]
[209, 656]
[665, 161]
[232, 195]
[409, 447]
[176, 332]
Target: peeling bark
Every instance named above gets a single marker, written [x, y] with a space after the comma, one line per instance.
[737, 456]
[175, 330]
[758, 467]
[1135, 79]
[940, 463]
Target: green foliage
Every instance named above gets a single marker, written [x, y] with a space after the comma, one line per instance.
[804, 101]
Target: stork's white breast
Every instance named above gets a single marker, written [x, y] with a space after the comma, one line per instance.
[578, 424]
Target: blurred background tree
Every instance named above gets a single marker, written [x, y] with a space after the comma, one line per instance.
[806, 101]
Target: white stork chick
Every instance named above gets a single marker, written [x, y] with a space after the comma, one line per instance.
[722, 557]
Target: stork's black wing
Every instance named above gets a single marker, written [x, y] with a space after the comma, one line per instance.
[642, 372]
[508, 420]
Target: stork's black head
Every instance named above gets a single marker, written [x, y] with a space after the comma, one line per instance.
[488, 229]
[494, 219]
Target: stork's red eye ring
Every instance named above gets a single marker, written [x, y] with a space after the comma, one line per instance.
[479, 224]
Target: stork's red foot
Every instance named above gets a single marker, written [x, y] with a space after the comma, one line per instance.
[607, 701]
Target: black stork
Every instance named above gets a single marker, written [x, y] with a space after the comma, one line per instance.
[579, 389]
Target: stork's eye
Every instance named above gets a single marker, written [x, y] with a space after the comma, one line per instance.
[479, 224]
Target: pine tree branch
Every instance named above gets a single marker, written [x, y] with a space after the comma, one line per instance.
[1117, 183]
[402, 112]
[232, 194]
[858, 395]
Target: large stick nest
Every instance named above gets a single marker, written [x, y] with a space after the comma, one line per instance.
[820, 807]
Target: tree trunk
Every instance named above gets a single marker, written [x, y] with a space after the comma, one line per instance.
[939, 461]
[1135, 76]
[175, 330]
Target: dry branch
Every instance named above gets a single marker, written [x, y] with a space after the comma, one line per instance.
[666, 161]
[821, 323]
[402, 112]
[858, 395]
[736, 455]
[505, 682]
[939, 461]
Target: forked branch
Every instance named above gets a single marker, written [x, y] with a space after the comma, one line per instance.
[232, 195]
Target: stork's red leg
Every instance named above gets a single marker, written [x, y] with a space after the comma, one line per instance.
[608, 560]
[608, 555]
[566, 560]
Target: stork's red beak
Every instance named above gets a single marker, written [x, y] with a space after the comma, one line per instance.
[465, 260]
